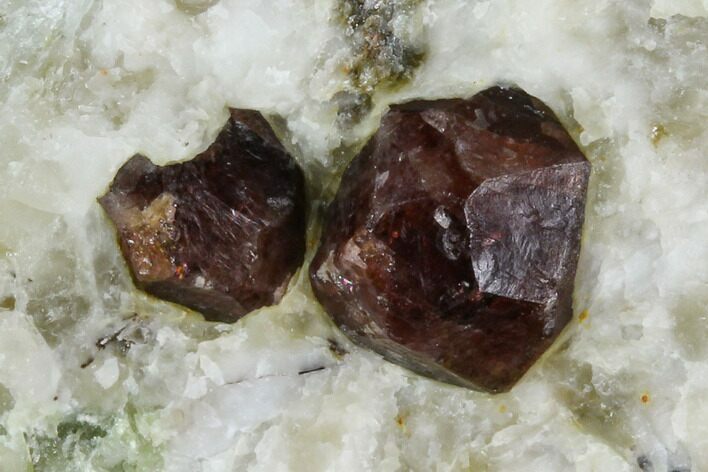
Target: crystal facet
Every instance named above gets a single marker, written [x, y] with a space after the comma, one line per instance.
[452, 243]
[222, 233]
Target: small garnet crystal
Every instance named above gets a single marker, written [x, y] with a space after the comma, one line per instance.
[452, 243]
[222, 233]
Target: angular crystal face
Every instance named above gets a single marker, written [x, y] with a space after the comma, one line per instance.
[452, 243]
[222, 233]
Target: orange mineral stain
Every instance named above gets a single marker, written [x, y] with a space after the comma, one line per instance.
[181, 270]
[401, 421]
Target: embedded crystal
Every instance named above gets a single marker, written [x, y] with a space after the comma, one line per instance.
[452, 243]
[222, 233]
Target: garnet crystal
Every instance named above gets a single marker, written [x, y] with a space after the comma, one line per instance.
[222, 233]
[452, 243]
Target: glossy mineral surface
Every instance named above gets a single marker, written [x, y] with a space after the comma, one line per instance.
[222, 233]
[452, 243]
[86, 84]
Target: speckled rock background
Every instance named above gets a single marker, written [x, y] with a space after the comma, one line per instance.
[95, 375]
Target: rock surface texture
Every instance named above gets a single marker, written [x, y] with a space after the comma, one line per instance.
[222, 233]
[452, 244]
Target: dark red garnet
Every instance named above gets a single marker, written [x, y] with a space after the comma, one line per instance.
[222, 233]
[452, 243]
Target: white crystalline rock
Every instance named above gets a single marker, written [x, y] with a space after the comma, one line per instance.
[108, 373]
[212, 424]
[668, 8]
[30, 372]
[86, 84]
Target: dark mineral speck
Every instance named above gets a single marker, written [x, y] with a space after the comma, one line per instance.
[222, 233]
[382, 54]
[645, 464]
[452, 243]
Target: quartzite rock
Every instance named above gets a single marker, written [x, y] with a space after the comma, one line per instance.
[452, 243]
[222, 233]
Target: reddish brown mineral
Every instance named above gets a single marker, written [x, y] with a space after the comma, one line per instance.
[222, 233]
[452, 243]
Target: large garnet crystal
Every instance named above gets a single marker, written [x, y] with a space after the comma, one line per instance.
[452, 243]
[222, 233]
